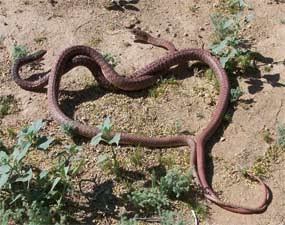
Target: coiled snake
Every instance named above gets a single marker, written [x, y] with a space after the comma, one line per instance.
[143, 78]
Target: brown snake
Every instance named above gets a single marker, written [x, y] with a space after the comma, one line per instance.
[143, 78]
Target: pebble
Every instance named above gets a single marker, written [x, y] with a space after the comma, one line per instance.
[132, 22]
[127, 44]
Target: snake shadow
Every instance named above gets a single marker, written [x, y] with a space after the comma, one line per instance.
[123, 5]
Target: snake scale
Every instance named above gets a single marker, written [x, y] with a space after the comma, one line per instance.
[145, 77]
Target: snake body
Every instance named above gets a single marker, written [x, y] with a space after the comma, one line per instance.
[143, 78]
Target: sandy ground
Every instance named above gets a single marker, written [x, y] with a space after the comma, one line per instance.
[76, 22]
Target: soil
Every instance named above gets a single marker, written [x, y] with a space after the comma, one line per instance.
[184, 105]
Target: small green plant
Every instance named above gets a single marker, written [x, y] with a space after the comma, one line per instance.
[126, 221]
[148, 199]
[5, 105]
[161, 87]
[137, 157]
[266, 136]
[175, 183]
[281, 136]
[107, 161]
[237, 5]
[105, 134]
[19, 51]
[227, 43]
[167, 161]
[267, 69]
[199, 208]
[30, 135]
[32, 195]
[68, 129]
[212, 78]
[110, 59]
[172, 218]
[236, 93]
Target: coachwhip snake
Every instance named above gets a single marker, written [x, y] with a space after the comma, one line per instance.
[141, 79]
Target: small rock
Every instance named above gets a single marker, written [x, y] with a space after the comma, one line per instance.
[222, 139]
[132, 22]
[201, 28]
[175, 35]
[185, 35]
[127, 44]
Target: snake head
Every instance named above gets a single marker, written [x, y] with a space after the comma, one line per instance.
[39, 54]
[139, 35]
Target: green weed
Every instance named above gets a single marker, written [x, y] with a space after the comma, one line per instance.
[267, 69]
[107, 162]
[94, 42]
[126, 221]
[227, 42]
[148, 199]
[110, 59]
[5, 105]
[68, 129]
[281, 136]
[212, 78]
[266, 136]
[167, 161]
[172, 218]
[161, 87]
[199, 209]
[35, 196]
[137, 157]
[19, 51]
[236, 93]
[175, 183]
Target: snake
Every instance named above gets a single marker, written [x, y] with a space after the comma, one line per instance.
[145, 77]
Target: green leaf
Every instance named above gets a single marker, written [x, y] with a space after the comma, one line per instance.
[115, 139]
[3, 180]
[36, 126]
[96, 140]
[102, 159]
[106, 127]
[26, 177]
[4, 169]
[46, 144]
[16, 198]
[224, 61]
[218, 48]
[73, 149]
[55, 182]
[3, 156]
[78, 167]
[107, 123]
[43, 174]
[65, 169]
[67, 128]
[25, 147]
[228, 24]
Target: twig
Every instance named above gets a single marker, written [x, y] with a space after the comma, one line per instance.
[195, 217]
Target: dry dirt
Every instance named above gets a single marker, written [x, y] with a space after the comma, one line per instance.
[182, 106]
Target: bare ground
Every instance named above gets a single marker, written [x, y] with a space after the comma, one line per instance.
[186, 105]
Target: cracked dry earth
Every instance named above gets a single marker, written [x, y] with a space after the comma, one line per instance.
[184, 105]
